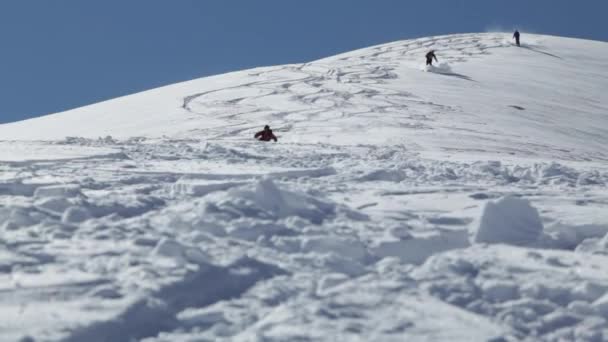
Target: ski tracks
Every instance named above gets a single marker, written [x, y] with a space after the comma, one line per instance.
[296, 94]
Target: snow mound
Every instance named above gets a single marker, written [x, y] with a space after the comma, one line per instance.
[266, 199]
[509, 220]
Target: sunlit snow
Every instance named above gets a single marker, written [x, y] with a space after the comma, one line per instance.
[463, 202]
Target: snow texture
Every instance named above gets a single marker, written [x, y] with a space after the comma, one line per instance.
[464, 202]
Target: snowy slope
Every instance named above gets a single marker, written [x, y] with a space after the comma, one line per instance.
[495, 96]
[465, 201]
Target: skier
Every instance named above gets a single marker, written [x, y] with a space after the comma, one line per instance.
[516, 36]
[265, 135]
[429, 57]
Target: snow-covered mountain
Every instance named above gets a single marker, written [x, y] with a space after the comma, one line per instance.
[464, 201]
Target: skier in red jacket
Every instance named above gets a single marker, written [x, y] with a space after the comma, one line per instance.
[265, 135]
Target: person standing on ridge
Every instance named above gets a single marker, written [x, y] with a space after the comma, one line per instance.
[265, 135]
[429, 57]
[516, 36]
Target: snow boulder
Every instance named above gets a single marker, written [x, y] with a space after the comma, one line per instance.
[509, 220]
[264, 199]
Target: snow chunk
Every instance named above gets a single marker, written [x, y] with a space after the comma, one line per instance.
[581, 308]
[179, 253]
[417, 250]
[75, 215]
[204, 316]
[58, 191]
[583, 238]
[401, 232]
[199, 190]
[17, 188]
[588, 291]
[16, 218]
[247, 230]
[601, 306]
[385, 175]
[509, 220]
[556, 320]
[345, 247]
[594, 245]
[330, 281]
[54, 205]
[267, 199]
[499, 291]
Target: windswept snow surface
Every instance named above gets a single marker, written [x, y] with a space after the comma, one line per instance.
[465, 201]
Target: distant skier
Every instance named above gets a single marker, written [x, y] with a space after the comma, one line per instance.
[265, 135]
[429, 57]
[516, 36]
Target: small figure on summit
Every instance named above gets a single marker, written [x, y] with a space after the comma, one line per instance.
[429, 57]
[265, 135]
[516, 36]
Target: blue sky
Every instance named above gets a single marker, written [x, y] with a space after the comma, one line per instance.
[61, 54]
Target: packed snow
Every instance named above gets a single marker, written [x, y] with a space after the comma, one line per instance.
[464, 201]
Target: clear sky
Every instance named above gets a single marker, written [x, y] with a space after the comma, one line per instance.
[61, 54]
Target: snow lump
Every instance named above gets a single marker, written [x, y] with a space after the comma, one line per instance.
[509, 220]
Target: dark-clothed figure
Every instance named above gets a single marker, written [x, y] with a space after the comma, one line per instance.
[265, 135]
[516, 36]
[429, 57]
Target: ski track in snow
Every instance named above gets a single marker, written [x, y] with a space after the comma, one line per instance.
[201, 235]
